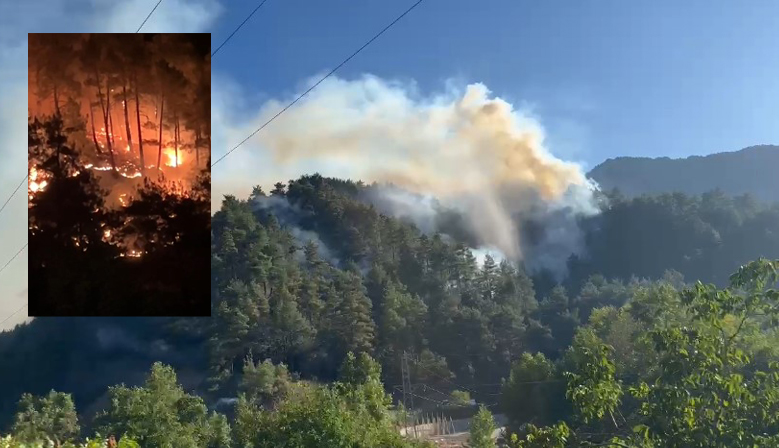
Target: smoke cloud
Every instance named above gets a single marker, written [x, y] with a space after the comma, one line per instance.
[290, 217]
[462, 162]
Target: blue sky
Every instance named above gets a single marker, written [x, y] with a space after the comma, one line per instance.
[603, 77]
[606, 78]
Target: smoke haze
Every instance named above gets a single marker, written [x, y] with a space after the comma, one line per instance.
[290, 216]
[461, 162]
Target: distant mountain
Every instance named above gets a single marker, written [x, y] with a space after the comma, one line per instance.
[753, 170]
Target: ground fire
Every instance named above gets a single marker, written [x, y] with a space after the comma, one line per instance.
[119, 150]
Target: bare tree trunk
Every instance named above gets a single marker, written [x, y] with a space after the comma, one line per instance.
[56, 100]
[110, 133]
[94, 134]
[176, 140]
[127, 119]
[111, 123]
[197, 146]
[105, 116]
[162, 109]
[138, 117]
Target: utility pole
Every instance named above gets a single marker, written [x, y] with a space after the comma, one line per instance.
[408, 397]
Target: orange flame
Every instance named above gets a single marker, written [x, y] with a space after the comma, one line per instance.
[36, 182]
[172, 159]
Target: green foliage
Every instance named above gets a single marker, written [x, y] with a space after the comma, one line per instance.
[350, 414]
[417, 291]
[534, 392]
[703, 237]
[323, 417]
[555, 436]
[361, 385]
[460, 397]
[630, 351]
[53, 416]
[705, 389]
[482, 427]
[14, 442]
[708, 393]
[264, 382]
[414, 291]
[592, 386]
[316, 283]
[357, 370]
[161, 415]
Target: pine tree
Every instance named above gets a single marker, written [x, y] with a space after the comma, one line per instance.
[482, 427]
[292, 331]
[310, 303]
[358, 329]
[488, 278]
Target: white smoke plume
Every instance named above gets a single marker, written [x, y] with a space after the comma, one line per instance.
[481, 254]
[473, 152]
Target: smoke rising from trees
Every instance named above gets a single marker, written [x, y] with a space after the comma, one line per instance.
[462, 162]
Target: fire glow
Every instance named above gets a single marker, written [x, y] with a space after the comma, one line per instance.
[132, 253]
[125, 171]
[37, 182]
[172, 159]
[127, 251]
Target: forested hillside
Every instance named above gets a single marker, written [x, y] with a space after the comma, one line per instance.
[308, 273]
[750, 170]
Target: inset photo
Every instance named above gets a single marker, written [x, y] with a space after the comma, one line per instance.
[119, 140]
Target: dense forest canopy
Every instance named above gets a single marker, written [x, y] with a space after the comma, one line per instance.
[309, 278]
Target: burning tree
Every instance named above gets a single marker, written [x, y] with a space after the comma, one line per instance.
[112, 230]
[131, 95]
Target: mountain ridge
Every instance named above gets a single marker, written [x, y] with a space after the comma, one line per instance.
[750, 170]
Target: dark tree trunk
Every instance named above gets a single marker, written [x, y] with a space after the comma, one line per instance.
[105, 107]
[110, 133]
[176, 141]
[138, 117]
[127, 119]
[56, 100]
[162, 110]
[197, 147]
[94, 133]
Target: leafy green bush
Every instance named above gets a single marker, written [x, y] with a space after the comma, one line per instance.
[13, 442]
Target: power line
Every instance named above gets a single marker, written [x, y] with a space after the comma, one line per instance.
[438, 402]
[426, 387]
[319, 82]
[1, 270]
[12, 258]
[239, 27]
[147, 17]
[442, 403]
[12, 314]
[12, 194]
[442, 378]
